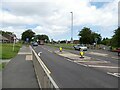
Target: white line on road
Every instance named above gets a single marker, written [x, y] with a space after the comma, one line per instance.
[102, 66]
[99, 54]
[114, 74]
[83, 64]
[49, 51]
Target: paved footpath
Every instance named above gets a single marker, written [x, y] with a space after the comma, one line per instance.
[19, 72]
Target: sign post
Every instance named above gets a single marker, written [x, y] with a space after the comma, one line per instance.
[14, 38]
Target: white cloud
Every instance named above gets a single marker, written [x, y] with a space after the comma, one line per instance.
[53, 16]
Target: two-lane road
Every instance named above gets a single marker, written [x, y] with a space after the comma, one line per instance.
[71, 75]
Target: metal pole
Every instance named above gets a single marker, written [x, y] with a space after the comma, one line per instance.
[13, 44]
[71, 27]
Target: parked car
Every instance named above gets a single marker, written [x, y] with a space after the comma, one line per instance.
[35, 44]
[80, 47]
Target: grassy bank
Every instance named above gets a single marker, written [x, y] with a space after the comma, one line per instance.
[7, 50]
[64, 46]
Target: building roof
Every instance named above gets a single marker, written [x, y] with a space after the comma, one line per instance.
[2, 37]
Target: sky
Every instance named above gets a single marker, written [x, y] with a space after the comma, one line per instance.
[53, 17]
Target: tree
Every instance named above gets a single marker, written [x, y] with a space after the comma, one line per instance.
[106, 41]
[96, 36]
[116, 38]
[88, 37]
[85, 36]
[43, 37]
[28, 34]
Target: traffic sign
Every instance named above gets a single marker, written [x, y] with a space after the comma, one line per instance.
[27, 39]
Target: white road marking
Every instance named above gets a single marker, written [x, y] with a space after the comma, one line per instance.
[99, 54]
[77, 63]
[39, 54]
[91, 61]
[29, 57]
[49, 51]
[102, 66]
[114, 57]
[83, 64]
[69, 60]
[114, 74]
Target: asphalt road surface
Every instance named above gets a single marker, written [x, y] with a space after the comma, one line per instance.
[71, 75]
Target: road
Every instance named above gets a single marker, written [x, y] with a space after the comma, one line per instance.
[68, 74]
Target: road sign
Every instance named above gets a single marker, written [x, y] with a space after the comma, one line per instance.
[96, 39]
[27, 39]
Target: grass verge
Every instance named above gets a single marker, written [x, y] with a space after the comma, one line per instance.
[7, 50]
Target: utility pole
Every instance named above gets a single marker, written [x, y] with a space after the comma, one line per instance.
[71, 27]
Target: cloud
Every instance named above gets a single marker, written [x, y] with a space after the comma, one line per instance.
[53, 17]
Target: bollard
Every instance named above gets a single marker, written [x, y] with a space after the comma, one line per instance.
[60, 49]
[81, 54]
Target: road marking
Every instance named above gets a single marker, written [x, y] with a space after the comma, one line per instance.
[83, 64]
[114, 74]
[39, 54]
[91, 61]
[41, 62]
[29, 57]
[99, 54]
[49, 51]
[102, 66]
[114, 57]
[77, 63]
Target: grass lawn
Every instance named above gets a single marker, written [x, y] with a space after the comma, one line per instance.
[64, 46]
[7, 50]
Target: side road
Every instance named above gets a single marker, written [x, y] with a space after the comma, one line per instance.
[19, 72]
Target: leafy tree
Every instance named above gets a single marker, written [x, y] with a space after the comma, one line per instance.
[43, 37]
[28, 34]
[116, 38]
[85, 36]
[94, 36]
[88, 37]
[5, 33]
[106, 41]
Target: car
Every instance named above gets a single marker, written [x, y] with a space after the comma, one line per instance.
[35, 44]
[80, 47]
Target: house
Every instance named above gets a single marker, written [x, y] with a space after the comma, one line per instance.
[76, 42]
[10, 37]
[3, 39]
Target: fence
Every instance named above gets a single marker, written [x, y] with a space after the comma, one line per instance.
[43, 74]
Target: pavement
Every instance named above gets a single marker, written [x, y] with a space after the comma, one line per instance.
[19, 72]
[68, 74]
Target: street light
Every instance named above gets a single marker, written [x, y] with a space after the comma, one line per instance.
[71, 27]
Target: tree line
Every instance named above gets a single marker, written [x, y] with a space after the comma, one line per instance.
[29, 34]
[89, 37]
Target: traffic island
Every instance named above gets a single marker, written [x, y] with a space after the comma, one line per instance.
[72, 56]
[77, 58]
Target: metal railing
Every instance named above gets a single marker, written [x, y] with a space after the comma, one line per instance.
[43, 74]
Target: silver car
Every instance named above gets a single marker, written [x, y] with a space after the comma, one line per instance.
[80, 47]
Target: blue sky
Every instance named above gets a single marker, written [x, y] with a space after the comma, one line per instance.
[53, 17]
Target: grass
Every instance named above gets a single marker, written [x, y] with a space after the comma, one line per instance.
[2, 66]
[64, 46]
[7, 50]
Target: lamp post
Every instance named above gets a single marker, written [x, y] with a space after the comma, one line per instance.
[71, 27]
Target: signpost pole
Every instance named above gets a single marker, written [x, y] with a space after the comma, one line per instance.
[14, 43]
